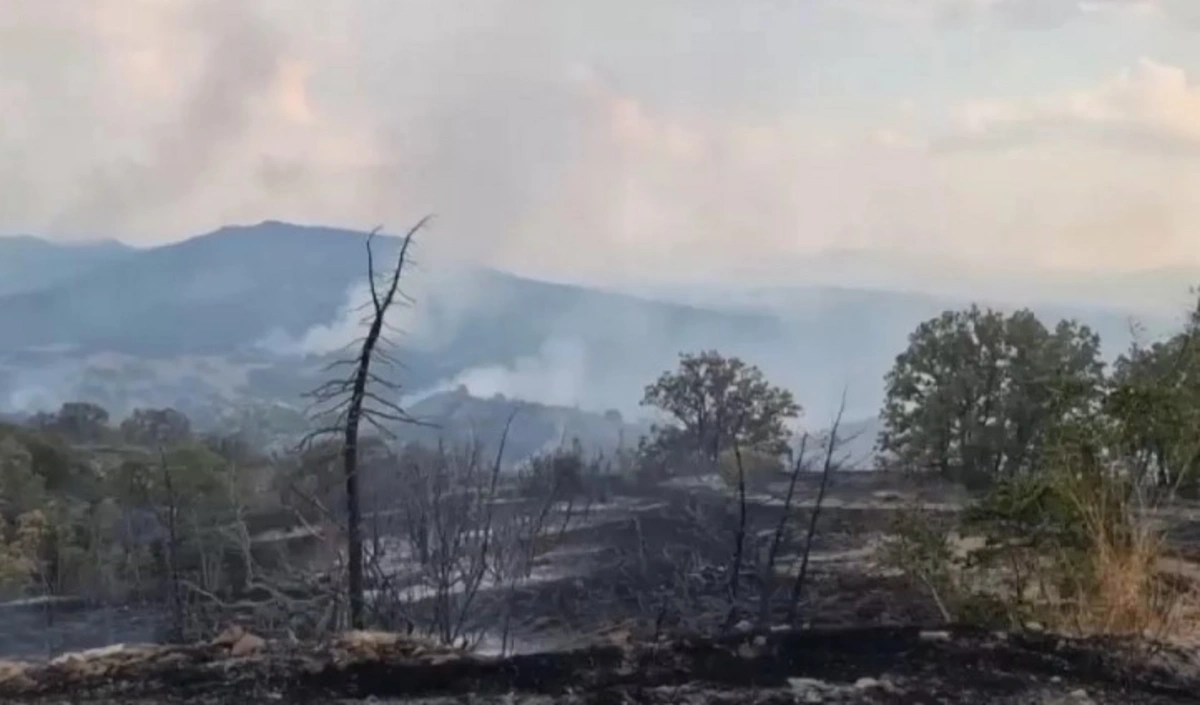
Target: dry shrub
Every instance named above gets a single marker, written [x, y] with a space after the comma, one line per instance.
[1075, 548]
[757, 468]
[1122, 589]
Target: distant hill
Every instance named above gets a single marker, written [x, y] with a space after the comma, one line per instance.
[28, 263]
[214, 293]
[457, 416]
[222, 317]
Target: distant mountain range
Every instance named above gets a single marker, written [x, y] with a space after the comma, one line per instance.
[28, 263]
[253, 314]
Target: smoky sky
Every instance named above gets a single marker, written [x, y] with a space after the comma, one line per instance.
[619, 140]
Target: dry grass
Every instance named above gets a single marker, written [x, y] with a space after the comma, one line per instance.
[1107, 571]
[1122, 589]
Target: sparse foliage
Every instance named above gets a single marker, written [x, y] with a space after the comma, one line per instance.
[356, 399]
[154, 428]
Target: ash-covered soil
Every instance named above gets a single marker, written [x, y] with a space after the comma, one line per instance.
[865, 665]
[603, 624]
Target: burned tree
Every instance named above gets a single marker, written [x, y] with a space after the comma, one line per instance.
[352, 399]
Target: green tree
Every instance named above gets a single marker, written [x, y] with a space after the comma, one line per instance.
[154, 428]
[76, 421]
[21, 488]
[715, 402]
[976, 392]
[1154, 407]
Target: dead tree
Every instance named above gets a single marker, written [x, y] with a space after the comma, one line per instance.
[351, 400]
[827, 469]
[768, 576]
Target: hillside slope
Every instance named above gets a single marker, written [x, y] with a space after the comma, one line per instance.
[233, 313]
[29, 263]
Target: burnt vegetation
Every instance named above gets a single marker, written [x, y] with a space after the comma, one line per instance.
[1023, 485]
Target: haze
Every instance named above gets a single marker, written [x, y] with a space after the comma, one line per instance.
[619, 141]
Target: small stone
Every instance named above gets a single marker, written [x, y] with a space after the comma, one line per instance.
[805, 683]
[866, 684]
[12, 673]
[247, 645]
[808, 690]
[744, 626]
[935, 636]
[890, 687]
[1080, 694]
[229, 636]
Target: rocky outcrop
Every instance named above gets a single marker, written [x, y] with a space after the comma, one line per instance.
[877, 665]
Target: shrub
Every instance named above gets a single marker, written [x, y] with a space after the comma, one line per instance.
[760, 468]
[558, 474]
[1072, 547]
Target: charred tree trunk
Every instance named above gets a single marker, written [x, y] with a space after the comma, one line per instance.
[350, 397]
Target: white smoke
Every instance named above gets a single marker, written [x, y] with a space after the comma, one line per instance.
[433, 295]
[555, 376]
[326, 338]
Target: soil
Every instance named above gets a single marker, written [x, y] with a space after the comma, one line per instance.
[864, 665]
[621, 616]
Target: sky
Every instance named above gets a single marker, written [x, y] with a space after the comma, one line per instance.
[616, 140]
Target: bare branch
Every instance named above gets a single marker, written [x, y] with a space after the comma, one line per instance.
[826, 471]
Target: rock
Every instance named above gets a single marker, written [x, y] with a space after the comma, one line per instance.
[935, 636]
[89, 654]
[229, 637]
[248, 645]
[744, 626]
[808, 690]
[12, 674]
[866, 684]
[890, 687]
[368, 639]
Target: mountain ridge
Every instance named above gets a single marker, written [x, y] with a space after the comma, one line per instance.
[235, 312]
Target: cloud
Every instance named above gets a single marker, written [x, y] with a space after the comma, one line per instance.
[1150, 103]
[687, 140]
[1026, 14]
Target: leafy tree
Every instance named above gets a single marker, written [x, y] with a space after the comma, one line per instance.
[155, 428]
[19, 547]
[21, 489]
[1154, 406]
[976, 392]
[188, 475]
[715, 402]
[77, 421]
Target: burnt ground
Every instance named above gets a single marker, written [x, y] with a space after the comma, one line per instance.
[660, 562]
[606, 623]
[864, 665]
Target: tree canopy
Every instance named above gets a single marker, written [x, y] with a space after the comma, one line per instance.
[976, 393]
[715, 402]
